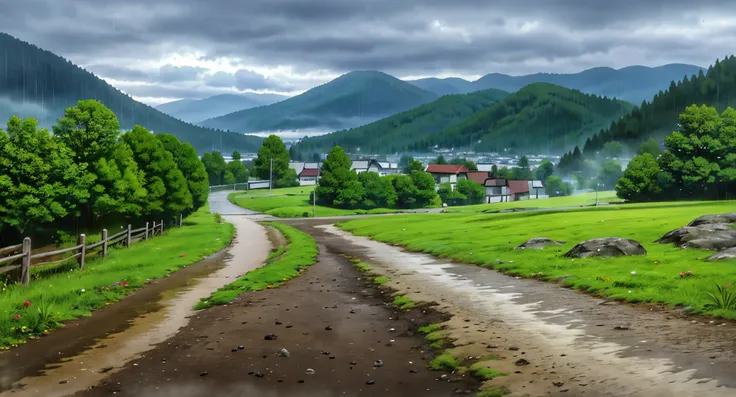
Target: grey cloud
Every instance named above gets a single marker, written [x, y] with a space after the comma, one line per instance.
[171, 74]
[118, 72]
[395, 36]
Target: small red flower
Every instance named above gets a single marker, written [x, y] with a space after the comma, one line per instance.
[728, 285]
[16, 317]
[26, 304]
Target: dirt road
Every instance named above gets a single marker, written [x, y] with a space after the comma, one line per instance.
[575, 344]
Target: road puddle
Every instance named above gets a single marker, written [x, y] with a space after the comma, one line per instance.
[83, 353]
[650, 354]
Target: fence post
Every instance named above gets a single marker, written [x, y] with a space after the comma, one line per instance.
[82, 250]
[104, 243]
[181, 219]
[127, 244]
[26, 264]
[162, 227]
[146, 238]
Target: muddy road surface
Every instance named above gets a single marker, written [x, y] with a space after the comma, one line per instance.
[341, 340]
[575, 344]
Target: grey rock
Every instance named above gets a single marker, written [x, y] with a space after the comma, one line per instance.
[715, 218]
[284, 353]
[607, 246]
[723, 255]
[710, 236]
[538, 243]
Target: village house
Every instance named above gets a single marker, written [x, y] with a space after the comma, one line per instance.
[308, 176]
[504, 190]
[298, 166]
[388, 168]
[479, 176]
[447, 173]
[366, 166]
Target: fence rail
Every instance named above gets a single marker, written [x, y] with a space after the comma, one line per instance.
[23, 252]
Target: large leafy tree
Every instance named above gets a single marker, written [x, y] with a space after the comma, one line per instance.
[379, 192]
[473, 191]
[191, 167]
[609, 173]
[426, 195]
[168, 192]
[338, 185]
[112, 177]
[415, 165]
[405, 190]
[39, 181]
[545, 170]
[639, 181]
[650, 146]
[238, 170]
[215, 166]
[554, 186]
[273, 148]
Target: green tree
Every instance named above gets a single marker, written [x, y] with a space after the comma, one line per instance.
[288, 179]
[273, 148]
[554, 186]
[38, 178]
[338, 185]
[494, 171]
[545, 170]
[440, 160]
[523, 162]
[609, 174]
[215, 166]
[650, 147]
[406, 192]
[191, 167]
[112, 177]
[505, 173]
[612, 149]
[639, 181]
[469, 164]
[228, 178]
[404, 161]
[236, 155]
[474, 191]
[379, 192]
[450, 196]
[426, 193]
[168, 192]
[415, 165]
[239, 172]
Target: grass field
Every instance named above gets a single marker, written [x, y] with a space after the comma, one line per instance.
[73, 293]
[488, 240]
[292, 202]
[281, 266]
[585, 199]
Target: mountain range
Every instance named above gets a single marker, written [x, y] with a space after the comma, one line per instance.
[353, 99]
[633, 84]
[39, 84]
[196, 110]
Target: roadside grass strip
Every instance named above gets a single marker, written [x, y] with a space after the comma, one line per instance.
[28, 311]
[665, 275]
[282, 265]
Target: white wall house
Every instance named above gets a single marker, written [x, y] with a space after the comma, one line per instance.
[365, 166]
[447, 173]
[308, 176]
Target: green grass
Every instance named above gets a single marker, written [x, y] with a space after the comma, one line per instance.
[76, 293]
[403, 302]
[493, 392]
[443, 362]
[488, 240]
[300, 253]
[381, 280]
[291, 202]
[428, 329]
[585, 199]
[362, 266]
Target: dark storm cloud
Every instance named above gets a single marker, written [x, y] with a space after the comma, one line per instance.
[397, 36]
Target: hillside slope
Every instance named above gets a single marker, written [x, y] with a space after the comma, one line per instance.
[39, 84]
[348, 101]
[540, 117]
[633, 84]
[196, 110]
[404, 131]
[658, 117]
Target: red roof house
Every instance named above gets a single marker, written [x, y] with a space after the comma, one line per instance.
[447, 169]
[479, 176]
[309, 173]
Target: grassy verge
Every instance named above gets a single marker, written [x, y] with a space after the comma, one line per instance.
[76, 293]
[584, 199]
[488, 240]
[281, 266]
[291, 202]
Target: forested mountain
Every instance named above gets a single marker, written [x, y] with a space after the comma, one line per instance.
[195, 110]
[540, 117]
[39, 84]
[659, 117]
[353, 99]
[632, 84]
[402, 131]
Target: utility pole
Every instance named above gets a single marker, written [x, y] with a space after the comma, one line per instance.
[314, 194]
[270, 176]
[597, 185]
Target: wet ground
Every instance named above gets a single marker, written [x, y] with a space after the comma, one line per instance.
[576, 344]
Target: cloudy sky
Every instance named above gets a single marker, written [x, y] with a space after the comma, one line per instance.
[160, 50]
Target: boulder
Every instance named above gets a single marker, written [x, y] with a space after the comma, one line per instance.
[607, 246]
[709, 236]
[716, 218]
[725, 254]
[539, 243]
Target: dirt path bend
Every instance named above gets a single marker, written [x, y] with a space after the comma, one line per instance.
[86, 351]
[330, 323]
[575, 344]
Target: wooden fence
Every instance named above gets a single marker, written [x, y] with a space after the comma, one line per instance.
[80, 251]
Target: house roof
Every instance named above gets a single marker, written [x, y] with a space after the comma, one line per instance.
[496, 182]
[446, 169]
[485, 166]
[309, 172]
[478, 176]
[298, 167]
[537, 184]
[519, 187]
